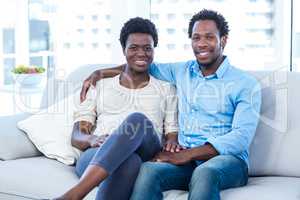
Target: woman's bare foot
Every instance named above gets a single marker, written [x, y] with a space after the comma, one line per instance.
[92, 176]
[72, 194]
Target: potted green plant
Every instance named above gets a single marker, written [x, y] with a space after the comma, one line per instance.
[28, 75]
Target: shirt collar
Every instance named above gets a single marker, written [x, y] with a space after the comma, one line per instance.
[195, 69]
[223, 68]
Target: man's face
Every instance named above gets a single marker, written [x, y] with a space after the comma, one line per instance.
[206, 42]
[139, 51]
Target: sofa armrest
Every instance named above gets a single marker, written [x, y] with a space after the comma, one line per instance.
[13, 142]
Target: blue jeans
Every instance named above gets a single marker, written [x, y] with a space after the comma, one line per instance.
[122, 154]
[204, 181]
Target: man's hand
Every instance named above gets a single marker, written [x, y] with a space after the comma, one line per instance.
[98, 75]
[178, 158]
[91, 80]
[97, 141]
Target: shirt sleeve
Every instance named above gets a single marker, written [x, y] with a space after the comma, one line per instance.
[86, 111]
[244, 123]
[171, 112]
[165, 71]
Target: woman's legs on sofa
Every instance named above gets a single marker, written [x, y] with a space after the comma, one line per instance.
[84, 160]
[117, 186]
[135, 134]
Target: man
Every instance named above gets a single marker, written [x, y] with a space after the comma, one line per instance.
[133, 108]
[218, 115]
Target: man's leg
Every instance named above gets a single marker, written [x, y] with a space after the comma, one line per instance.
[220, 172]
[157, 177]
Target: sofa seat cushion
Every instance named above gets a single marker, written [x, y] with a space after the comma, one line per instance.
[36, 178]
[39, 178]
[258, 188]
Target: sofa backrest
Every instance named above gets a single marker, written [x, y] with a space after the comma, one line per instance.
[58, 89]
[274, 150]
[14, 143]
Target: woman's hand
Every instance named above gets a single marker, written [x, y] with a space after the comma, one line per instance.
[171, 144]
[97, 141]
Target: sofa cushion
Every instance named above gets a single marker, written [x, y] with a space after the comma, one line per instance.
[48, 178]
[13, 142]
[50, 130]
[258, 188]
[274, 147]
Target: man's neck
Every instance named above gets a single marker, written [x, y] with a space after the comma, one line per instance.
[212, 68]
[134, 80]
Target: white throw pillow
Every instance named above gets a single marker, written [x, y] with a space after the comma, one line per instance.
[50, 130]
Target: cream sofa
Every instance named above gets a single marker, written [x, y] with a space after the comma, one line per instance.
[274, 159]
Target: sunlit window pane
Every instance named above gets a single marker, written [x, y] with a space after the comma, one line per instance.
[9, 64]
[8, 40]
[8, 12]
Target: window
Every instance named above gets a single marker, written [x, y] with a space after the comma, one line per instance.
[171, 31]
[80, 17]
[95, 45]
[171, 46]
[8, 43]
[95, 30]
[53, 33]
[67, 45]
[107, 17]
[94, 17]
[187, 16]
[156, 1]
[8, 40]
[187, 47]
[80, 30]
[80, 44]
[258, 38]
[194, 1]
[154, 16]
[171, 16]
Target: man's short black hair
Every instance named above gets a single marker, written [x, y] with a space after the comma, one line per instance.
[205, 14]
[138, 25]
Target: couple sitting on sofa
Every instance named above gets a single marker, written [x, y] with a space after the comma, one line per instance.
[135, 151]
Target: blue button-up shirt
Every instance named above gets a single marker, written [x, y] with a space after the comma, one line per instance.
[221, 109]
